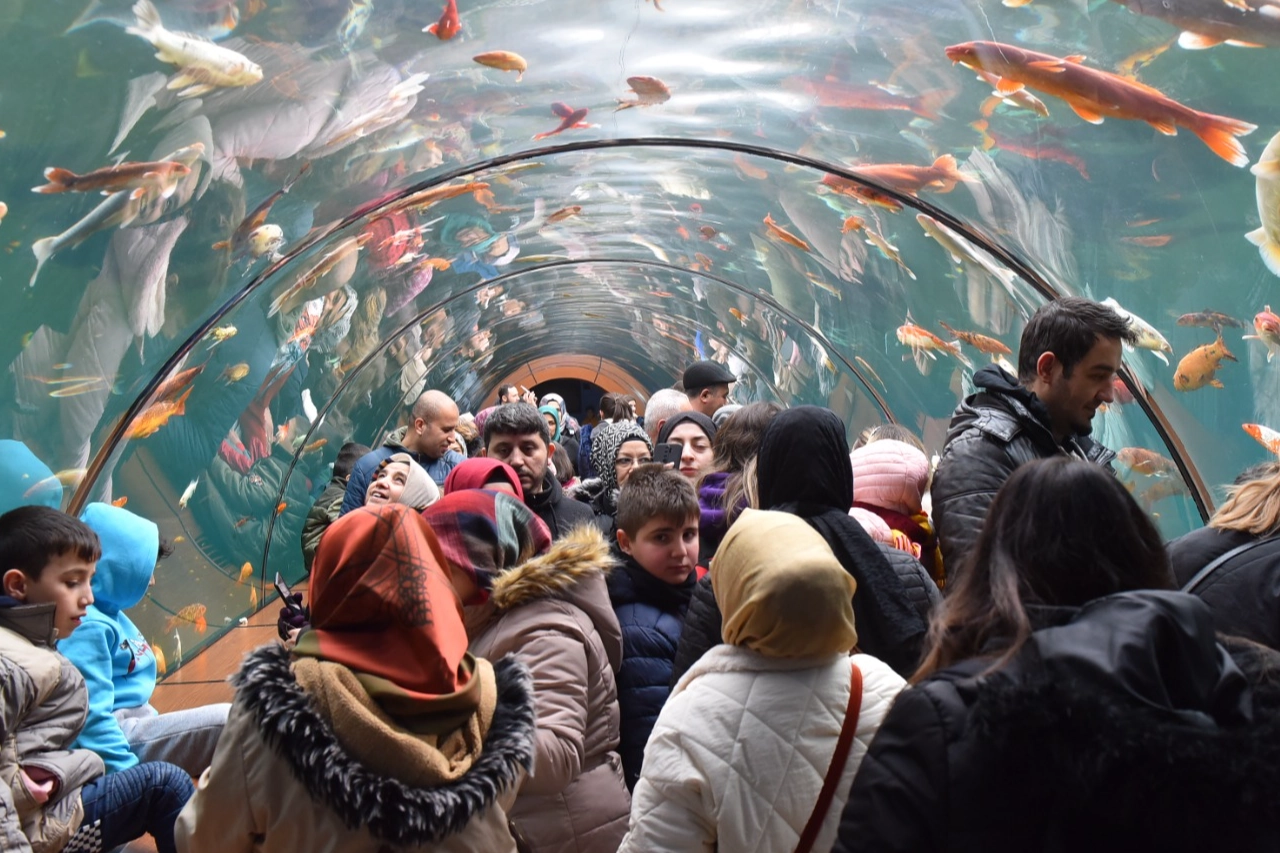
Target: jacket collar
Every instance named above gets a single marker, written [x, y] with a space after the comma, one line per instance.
[32, 622]
[1003, 409]
[391, 810]
[549, 496]
[580, 555]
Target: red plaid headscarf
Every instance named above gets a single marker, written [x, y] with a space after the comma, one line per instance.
[475, 473]
[486, 533]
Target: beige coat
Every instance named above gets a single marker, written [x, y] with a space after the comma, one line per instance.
[307, 762]
[553, 612]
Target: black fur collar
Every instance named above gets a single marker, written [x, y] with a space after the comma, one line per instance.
[389, 809]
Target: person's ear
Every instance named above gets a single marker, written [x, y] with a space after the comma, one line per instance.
[419, 426]
[624, 541]
[1044, 366]
[15, 584]
[551, 449]
[484, 452]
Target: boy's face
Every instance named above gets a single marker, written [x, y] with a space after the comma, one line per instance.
[664, 548]
[65, 582]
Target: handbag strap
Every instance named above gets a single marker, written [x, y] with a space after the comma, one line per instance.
[1204, 573]
[838, 762]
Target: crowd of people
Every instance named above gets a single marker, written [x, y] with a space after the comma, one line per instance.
[720, 627]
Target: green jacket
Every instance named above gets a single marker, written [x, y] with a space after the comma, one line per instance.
[323, 513]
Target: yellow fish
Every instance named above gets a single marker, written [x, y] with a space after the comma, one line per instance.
[246, 572]
[161, 666]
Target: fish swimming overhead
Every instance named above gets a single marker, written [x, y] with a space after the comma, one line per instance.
[157, 415]
[1199, 367]
[1267, 190]
[1149, 337]
[981, 343]
[1094, 94]
[649, 91]
[1205, 23]
[569, 118]
[777, 231]
[1146, 462]
[942, 175]
[1267, 325]
[239, 244]
[124, 176]
[449, 25]
[203, 66]
[924, 344]
[1267, 437]
[503, 60]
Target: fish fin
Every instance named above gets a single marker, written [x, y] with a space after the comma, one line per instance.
[196, 91]
[147, 20]
[1168, 128]
[1220, 134]
[1075, 58]
[1216, 383]
[989, 106]
[562, 109]
[1085, 113]
[951, 174]
[221, 244]
[1197, 41]
[1238, 43]
[59, 180]
[1005, 86]
[1056, 66]
[43, 250]
[1160, 356]
[431, 28]
[140, 192]
[1265, 168]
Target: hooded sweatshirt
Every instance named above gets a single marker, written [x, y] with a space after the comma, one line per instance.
[116, 661]
[24, 479]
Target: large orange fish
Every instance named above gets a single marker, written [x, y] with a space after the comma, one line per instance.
[193, 613]
[981, 343]
[649, 91]
[1146, 462]
[569, 118]
[783, 234]
[125, 176]
[157, 415]
[924, 343]
[503, 60]
[1095, 94]
[1199, 367]
[178, 382]
[1267, 437]
[942, 175]
[449, 25]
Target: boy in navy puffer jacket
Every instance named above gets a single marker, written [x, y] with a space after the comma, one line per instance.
[658, 547]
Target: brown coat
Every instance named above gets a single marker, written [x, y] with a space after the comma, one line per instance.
[308, 762]
[553, 612]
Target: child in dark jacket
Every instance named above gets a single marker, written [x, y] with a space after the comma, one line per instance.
[52, 796]
[658, 547]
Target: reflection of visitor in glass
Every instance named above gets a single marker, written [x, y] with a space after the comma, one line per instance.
[478, 246]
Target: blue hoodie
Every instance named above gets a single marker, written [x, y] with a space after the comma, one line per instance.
[24, 479]
[118, 665]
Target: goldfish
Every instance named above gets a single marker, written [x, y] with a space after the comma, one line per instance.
[942, 175]
[707, 232]
[1151, 241]
[241, 522]
[281, 507]
[1199, 367]
[235, 372]
[1206, 23]
[448, 26]
[178, 540]
[120, 501]
[1149, 338]
[777, 231]
[68, 478]
[133, 177]
[503, 60]
[981, 343]
[297, 293]
[222, 333]
[703, 260]
[830, 92]
[1267, 325]
[246, 572]
[1094, 94]
[171, 387]
[315, 445]
[1146, 462]
[187, 493]
[887, 250]
[242, 239]
[564, 213]
[1267, 437]
[156, 416]
[1211, 320]
[1031, 147]
[748, 168]
[193, 613]
[924, 343]
[863, 193]
[852, 223]
[162, 666]
[1021, 99]
[203, 66]
[569, 119]
[649, 91]
[253, 597]
[738, 315]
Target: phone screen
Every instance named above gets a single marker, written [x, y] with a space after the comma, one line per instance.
[283, 590]
[668, 453]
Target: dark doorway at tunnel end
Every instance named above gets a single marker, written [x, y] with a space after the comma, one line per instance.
[578, 394]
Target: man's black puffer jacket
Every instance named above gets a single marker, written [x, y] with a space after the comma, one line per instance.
[992, 433]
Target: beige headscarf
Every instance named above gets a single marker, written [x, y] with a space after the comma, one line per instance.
[420, 491]
[781, 590]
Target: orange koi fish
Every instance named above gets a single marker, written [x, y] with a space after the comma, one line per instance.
[852, 223]
[569, 119]
[162, 666]
[1267, 325]
[864, 194]
[177, 383]
[1210, 320]
[120, 501]
[783, 234]
[1095, 94]
[1199, 367]
[503, 60]
[564, 213]
[448, 26]
[1022, 99]
[1151, 241]
[193, 613]
[135, 177]
[243, 521]
[1267, 437]
[924, 344]
[315, 445]
[707, 232]
[246, 572]
[281, 507]
[253, 597]
[748, 168]
[981, 343]
[1146, 462]
[1033, 148]
[942, 176]
[830, 92]
[649, 91]
[156, 416]
[238, 243]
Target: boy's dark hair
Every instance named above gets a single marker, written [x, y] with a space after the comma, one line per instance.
[653, 491]
[516, 419]
[1068, 328]
[165, 550]
[351, 453]
[31, 536]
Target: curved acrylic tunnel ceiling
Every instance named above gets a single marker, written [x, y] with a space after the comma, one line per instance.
[429, 242]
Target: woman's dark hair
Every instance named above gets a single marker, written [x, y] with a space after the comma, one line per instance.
[564, 467]
[737, 442]
[1061, 532]
[609, 405]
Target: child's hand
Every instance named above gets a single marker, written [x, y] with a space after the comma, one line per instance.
[40, 783]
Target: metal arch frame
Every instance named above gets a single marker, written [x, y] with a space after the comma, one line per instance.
[1200, 492]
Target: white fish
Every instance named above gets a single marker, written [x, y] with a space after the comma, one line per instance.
[266, 240]
[187, 493]
[963, 252]
[177, 652]
[204, 66]
[1267, 238]
[1149, 338]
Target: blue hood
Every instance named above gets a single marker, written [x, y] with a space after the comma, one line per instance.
[130, 545]
[20, 470]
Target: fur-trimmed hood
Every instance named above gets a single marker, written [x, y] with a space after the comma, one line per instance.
[391, 811]
[582, 554]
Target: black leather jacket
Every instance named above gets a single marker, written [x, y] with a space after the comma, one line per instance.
[992, 433]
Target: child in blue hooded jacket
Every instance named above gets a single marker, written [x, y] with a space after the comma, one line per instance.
[118, 665]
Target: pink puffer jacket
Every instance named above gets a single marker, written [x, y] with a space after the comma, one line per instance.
[890, 474]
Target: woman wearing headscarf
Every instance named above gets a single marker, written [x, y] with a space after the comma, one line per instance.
[570, 429]
[399, 479]
[484, 473]
[617, 449]
[769, 705]
[696, 435]
[549, 604]
[379, 729]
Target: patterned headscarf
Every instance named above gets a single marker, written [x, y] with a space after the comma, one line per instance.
[382, 606]
[486, 533]
[605, 442]
[475, 473]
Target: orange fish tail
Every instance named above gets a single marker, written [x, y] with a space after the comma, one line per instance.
[60, 180]
[950, 173]
[1220, 132]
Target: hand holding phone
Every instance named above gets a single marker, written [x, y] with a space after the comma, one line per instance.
[668, 454]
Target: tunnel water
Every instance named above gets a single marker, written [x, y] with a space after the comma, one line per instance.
[350, 208]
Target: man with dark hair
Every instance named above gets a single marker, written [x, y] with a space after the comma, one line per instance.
[518, 435]
[706, 384]
[1067, 362]
[508, 394]
[427, 438]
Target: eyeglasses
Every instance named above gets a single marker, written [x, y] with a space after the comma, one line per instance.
[630, 462]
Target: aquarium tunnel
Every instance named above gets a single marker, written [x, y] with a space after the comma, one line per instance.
[260, 227]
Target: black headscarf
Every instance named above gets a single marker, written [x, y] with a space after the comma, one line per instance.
[803, 468]
[704, 423]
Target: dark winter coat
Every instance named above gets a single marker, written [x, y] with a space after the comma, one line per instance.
[559, 512]
[322, 513]
[702, 623]
[238, 508]
[1120, 726]
[651, 615]
[992, 433]
[1243, 592]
